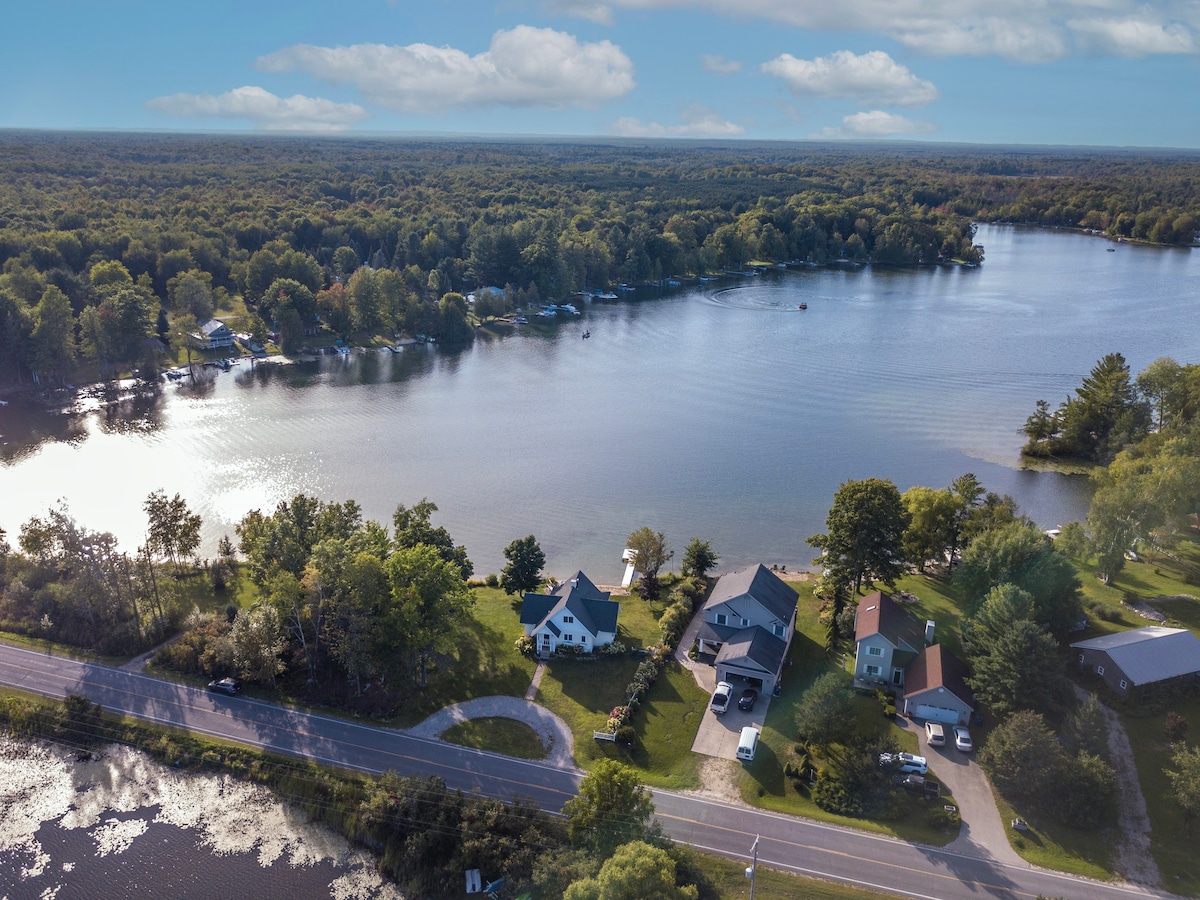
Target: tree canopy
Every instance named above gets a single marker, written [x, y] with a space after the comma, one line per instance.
[864, 538]
[613, 808]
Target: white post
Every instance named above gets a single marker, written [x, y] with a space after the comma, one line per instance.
[753, 866]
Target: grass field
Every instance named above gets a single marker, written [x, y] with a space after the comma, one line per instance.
[507, 736]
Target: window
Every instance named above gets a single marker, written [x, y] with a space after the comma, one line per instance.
[779, 631]
[568, 638]
[745, 623]
[1099, 670]
[568, 620]
[874, 651]
[1124, 684]
[722, 619]
[873, 670]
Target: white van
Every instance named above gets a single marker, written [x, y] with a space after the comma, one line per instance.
[748, 744]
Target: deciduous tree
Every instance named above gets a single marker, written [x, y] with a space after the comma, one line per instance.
[433, 602]
[825, 714]
[523, 572]
[698, 559]
[613, 808]
[651, 553]
[864, 539]
[635, 871]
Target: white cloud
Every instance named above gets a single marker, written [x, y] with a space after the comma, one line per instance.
[598, 12]
[876, 124]
[720, 64]
[1025, 30]
[264, 109]
[871, 78]
[695, 121]
[524, 66]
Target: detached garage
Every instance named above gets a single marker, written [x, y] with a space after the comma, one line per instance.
[935, 688]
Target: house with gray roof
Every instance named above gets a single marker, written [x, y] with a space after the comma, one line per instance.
[748, 623]
[213, 335]
[575, 613]
[1131, 662]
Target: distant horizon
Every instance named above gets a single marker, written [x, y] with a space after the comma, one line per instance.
[1057, 73]
[501, 137]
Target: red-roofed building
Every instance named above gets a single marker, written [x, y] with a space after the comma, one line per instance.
[889, 637]
[935, 688]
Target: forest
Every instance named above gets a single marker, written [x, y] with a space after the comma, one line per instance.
[114, 247]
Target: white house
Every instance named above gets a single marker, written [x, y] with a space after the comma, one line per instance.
[575, 614]
[748, 624]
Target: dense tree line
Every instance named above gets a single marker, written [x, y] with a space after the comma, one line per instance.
[108, 240]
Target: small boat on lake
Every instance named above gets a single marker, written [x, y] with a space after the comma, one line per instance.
[1112, 249]
[802, 306]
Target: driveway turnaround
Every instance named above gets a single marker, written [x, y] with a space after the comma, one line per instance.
[550, 728]
[794, 845]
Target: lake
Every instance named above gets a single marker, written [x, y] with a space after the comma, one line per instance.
[720, 410]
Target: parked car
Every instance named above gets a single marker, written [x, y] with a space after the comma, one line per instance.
[720, 697]
[935, 734]
[228, 686]
[919, 784]
[748, 699]
[904, 762]
[962, 739]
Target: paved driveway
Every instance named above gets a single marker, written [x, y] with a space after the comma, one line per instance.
[983, 834]
[718, 735]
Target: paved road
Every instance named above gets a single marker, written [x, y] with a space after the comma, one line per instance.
[787, 843]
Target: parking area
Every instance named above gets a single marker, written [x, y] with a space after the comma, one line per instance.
[718, 735]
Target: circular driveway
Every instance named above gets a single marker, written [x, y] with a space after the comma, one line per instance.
[550, 728]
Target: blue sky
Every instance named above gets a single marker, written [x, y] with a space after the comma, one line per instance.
[1078, 72]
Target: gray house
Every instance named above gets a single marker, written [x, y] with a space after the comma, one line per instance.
[1130, 662]
[888, 637]
[747, 626]
[575, 613]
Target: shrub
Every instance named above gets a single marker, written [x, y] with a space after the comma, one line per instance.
[943, 819]
[1176, 727]
[492, 581]
[616, 648]
[525, 646]
[626, 734]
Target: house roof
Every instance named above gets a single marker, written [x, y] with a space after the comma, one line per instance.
[879, 614]
[756, 645]
[1150, 654]
[760, 583]
[213, 325]
[590, 606]
[936, 667]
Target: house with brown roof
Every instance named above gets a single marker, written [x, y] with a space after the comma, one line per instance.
[889, 637]
[935, 688]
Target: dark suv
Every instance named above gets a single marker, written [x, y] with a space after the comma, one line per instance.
[228, 686]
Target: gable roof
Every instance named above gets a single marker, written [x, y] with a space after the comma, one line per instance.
[214, 326]
[936, 667]
[760, 583]
[756, 645]
[590, 606]
[1150, 654]
[879, 614]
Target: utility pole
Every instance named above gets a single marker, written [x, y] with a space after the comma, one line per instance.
[753, 866]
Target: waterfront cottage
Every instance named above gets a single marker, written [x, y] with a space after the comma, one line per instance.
[888, 638]
[213, 335]
[747, 627]
[575, 613]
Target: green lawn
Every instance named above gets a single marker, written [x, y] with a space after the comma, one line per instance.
[1053, 846]
[486, 662]
[507, 736]
[1173, 838]
[728, 878]
[584, 691]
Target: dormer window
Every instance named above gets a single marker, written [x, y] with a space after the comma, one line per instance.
[779, 631]
[722, 619]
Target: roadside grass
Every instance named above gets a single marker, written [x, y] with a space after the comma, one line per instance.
[51, 648]
[763, 783]
[1173, 836]
[497, 735]
[485, 664]
[1054, 846]
[727, 877]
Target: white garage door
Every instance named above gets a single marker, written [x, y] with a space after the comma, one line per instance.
[937, 714]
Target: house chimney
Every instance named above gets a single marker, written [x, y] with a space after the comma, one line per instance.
[929, 631]
[574, 582]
